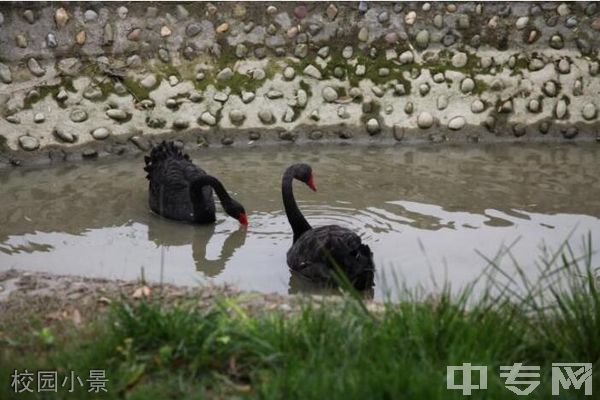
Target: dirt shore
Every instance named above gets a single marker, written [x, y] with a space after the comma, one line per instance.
[48, 298]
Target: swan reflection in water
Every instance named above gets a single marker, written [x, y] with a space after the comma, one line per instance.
[164, 232]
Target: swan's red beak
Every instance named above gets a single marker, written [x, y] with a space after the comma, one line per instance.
[311, 184]
[243, 219]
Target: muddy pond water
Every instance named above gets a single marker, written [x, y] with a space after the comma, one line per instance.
[426, 212]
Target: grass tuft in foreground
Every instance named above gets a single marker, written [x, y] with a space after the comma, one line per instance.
[334, 349]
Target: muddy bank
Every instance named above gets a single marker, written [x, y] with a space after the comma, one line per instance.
[90, 80]
[29, 296]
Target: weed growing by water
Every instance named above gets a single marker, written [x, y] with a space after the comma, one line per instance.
[342, 349]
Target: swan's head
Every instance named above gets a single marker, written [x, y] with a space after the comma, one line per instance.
[303, 172]
[236, 210]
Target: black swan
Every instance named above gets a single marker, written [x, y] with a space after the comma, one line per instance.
[180, 190]
[316, 251]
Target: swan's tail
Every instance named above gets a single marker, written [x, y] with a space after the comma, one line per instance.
[158, 154]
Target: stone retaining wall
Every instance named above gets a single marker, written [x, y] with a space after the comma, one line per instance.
[90, 79]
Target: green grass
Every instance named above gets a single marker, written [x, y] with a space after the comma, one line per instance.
[335, 350]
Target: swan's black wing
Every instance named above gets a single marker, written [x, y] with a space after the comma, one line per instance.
[316, 252]
[167, 164]
[170, 172]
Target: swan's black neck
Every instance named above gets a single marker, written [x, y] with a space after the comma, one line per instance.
[197, 195]
[294, 215]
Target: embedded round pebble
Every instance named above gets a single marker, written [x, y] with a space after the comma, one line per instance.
[373, 126]
[329, 94]
[556, 42]
[459, 60]
[301, 98]
[5, 73]
[289, 114]
[343, 113]
[117, 114]
[589, 111]
[312, 71]
[464, 21]
[247, 97]
[221, 97]
[467, 85]
[506, 107]
[254, 135]
[149, 81]
[439, 77]
[442, 102]
[315, 135]
[51, 40]
[100, 133]
[338, 72]
[266, 116]
[377, 91]
[519, 130]
[534, 106]
[391, 37]
[122, 12]
[29, 143]
[236, 116]
[35, 68]
[536, 64]
[570, 132]
[171, 103]
[181, 123]
[39, 118]
[63, 135]
[561, 109]
[274, 94]
[323, 52]
[544, 127]
[422, 39]
[549, 88]
[61, 17]
[564, 67]
[456, 123]
[347, 52]
[193, 29]
[173, 80]
[289, 73]
[363, 34]
[78, 115]
[398, 132]
[89, 153]
[521, 22]
[477, 106]
[563, 10]
[424, 120]
[406, 57]
[208, 118]
[225, 74]
[90, 15]
[165, 31]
